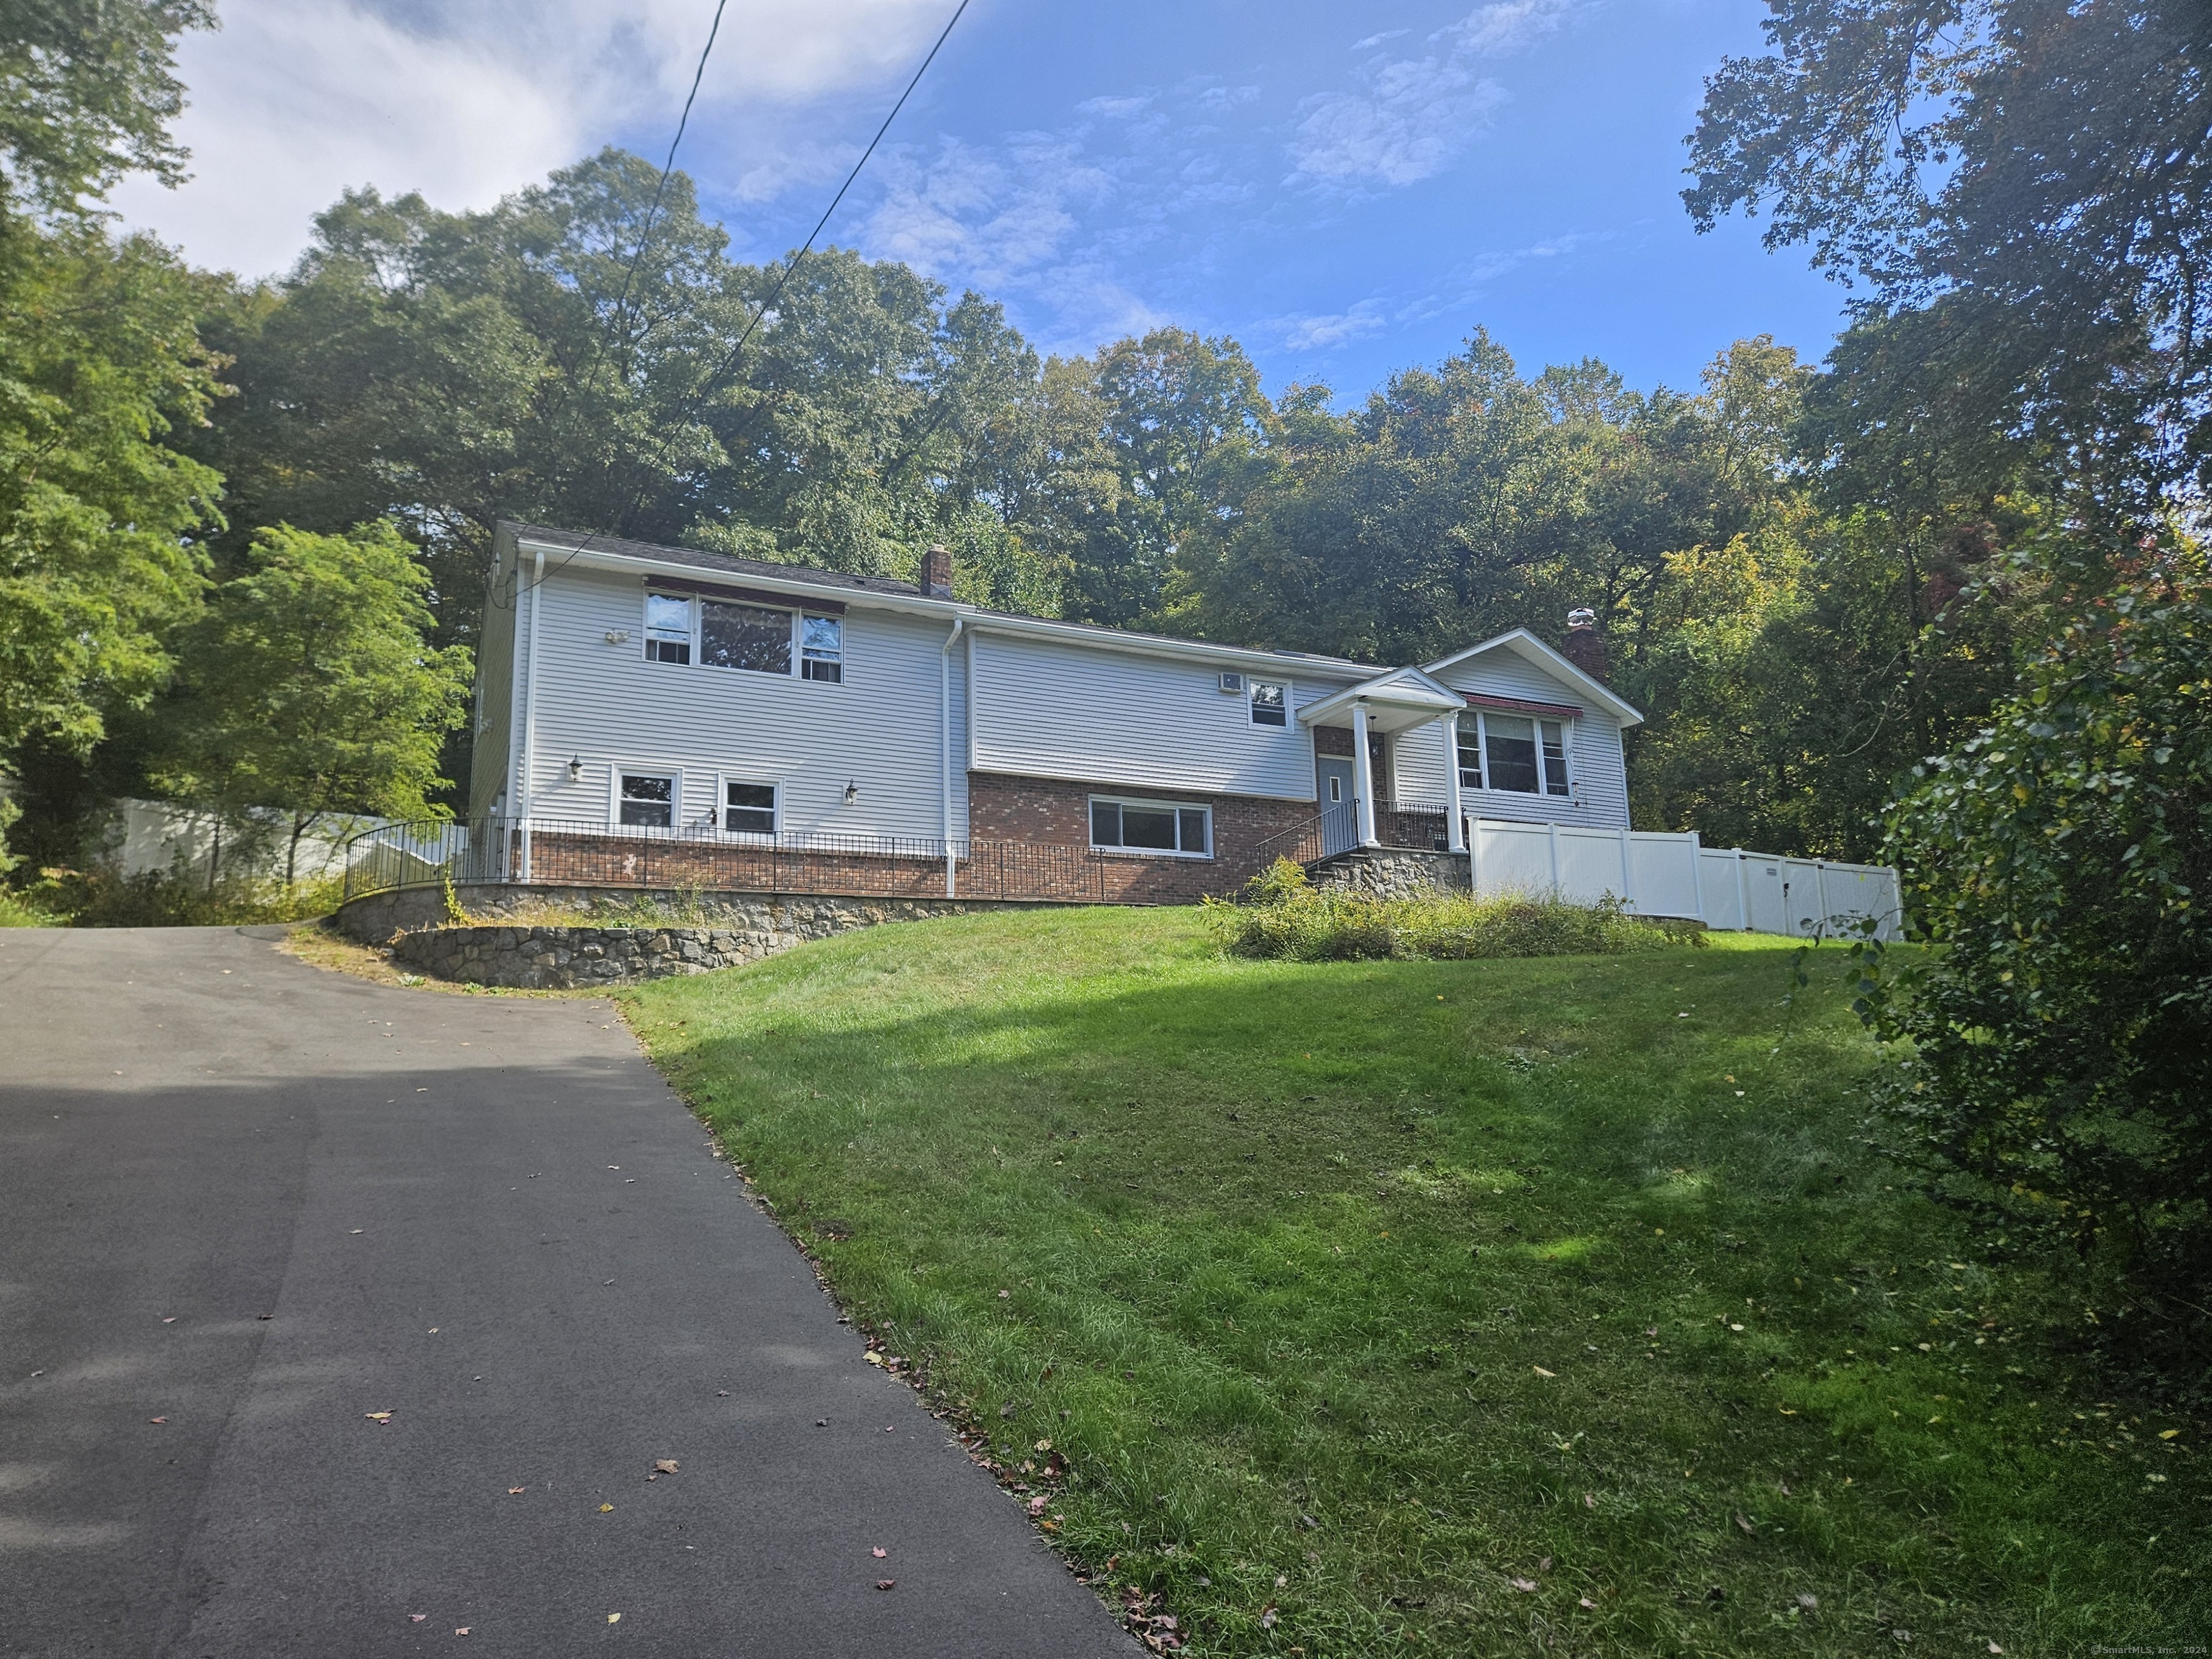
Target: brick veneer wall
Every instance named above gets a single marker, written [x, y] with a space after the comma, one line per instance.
[1055, 812]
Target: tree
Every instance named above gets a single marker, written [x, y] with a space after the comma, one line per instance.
[309, 687]
[99, 364]
[2058, 1080]
[86, 94]
[2021, 185]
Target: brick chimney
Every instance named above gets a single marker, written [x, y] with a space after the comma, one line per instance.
[1584, 647]
[936, 581]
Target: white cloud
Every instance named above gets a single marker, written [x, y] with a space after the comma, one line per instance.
[293, 101]
[1411, 117]
[1318, 333]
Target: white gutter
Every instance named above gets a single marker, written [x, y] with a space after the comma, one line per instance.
[522, 794]
[945, 740]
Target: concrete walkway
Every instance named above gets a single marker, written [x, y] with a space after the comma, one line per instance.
[246, 1204]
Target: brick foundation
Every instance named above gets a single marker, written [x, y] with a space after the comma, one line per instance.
[1052, 812]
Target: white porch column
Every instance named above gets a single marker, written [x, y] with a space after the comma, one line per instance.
[1363, 776]
[1455, 808]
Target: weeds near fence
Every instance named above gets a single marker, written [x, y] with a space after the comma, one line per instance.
[1282, 915]
[103, 897]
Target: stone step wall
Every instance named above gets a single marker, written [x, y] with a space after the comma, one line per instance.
[1395, 872]
[520, 953]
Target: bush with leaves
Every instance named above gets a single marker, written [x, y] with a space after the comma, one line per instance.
[1282, 914]
[2059, 1079]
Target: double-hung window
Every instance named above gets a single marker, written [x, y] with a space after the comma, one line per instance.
[647, 800]
[748, 809]
[1150, 826]
[821, 648]
[1517, 754]
[1271, 703]
[667, 628]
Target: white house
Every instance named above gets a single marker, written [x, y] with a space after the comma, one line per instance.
[686, 714]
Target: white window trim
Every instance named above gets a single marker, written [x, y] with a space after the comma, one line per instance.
[694, 607]
[640, 770]
[1567, 724]
[1252, 682]
[1088, 830]
[722, 782]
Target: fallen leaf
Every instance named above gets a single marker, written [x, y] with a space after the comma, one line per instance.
[874, 1359]
[879, 1553]
[515, 1492]
[1543, 1565]
[1541, 1371]
[460, 1630]
[2163, 1434]
[168, 1319]
[1587, 1602]
[1036, 1505]
[1994, 1648]
[1527, 1586]
[664, 1465]
[416, 1618]
[614, 1618]
[378, 1416]
[606, 1509]
[1744, 1526]
[1807, 1601]
[1267, 1617]
[1900, 1636]
[1044, 1445]
[886, 1583]
[157, 1419]
[1590, 1501]
[1282, 1581]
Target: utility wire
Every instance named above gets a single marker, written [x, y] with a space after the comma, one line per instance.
[660, 190]
[714, 382]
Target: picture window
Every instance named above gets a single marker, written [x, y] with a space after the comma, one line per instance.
[749, 637]
[1516, 754]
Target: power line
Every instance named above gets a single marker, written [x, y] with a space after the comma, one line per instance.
[730, 360]
[660, 190]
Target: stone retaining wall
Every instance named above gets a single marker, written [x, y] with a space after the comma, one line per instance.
[1395, 872]
[523, 955]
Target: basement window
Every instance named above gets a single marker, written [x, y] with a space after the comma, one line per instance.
[1151, 826]
[749, 808]
[647, 800]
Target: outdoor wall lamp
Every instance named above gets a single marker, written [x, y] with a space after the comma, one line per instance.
[852, 793]
[576, 770]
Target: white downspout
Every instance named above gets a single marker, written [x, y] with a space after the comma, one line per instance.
[525, 784]
[1455, 804]
[1364, 776]
[944, 738]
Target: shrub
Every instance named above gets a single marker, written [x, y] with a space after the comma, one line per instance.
[1280, 914]
[2059, 1079]
[155, 899]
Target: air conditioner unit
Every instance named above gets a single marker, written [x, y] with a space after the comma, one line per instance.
[1232, 683]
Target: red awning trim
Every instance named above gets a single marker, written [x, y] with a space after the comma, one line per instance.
[1563, 711]
[746, 595]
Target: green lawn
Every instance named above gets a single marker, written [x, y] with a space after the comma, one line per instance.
[1460, 1308]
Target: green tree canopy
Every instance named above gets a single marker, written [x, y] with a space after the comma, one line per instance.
[309, 686]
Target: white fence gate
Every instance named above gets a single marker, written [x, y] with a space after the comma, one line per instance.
[1659, 874]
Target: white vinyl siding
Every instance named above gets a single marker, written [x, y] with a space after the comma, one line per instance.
[1594, 761]
[603, 704]
[1045, 708]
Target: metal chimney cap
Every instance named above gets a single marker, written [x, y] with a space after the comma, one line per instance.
[1582, 616]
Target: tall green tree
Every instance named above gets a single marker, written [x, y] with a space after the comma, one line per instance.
[2019, 189]
[99, 364]
[310, 687]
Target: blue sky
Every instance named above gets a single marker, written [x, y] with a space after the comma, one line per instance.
[1346, 190]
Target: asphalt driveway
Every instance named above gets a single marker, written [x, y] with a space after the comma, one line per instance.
[247, 1208]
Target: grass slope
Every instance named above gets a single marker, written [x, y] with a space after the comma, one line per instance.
[1471, 1307]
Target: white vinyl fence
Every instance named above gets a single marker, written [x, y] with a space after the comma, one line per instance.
[1671, 875]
